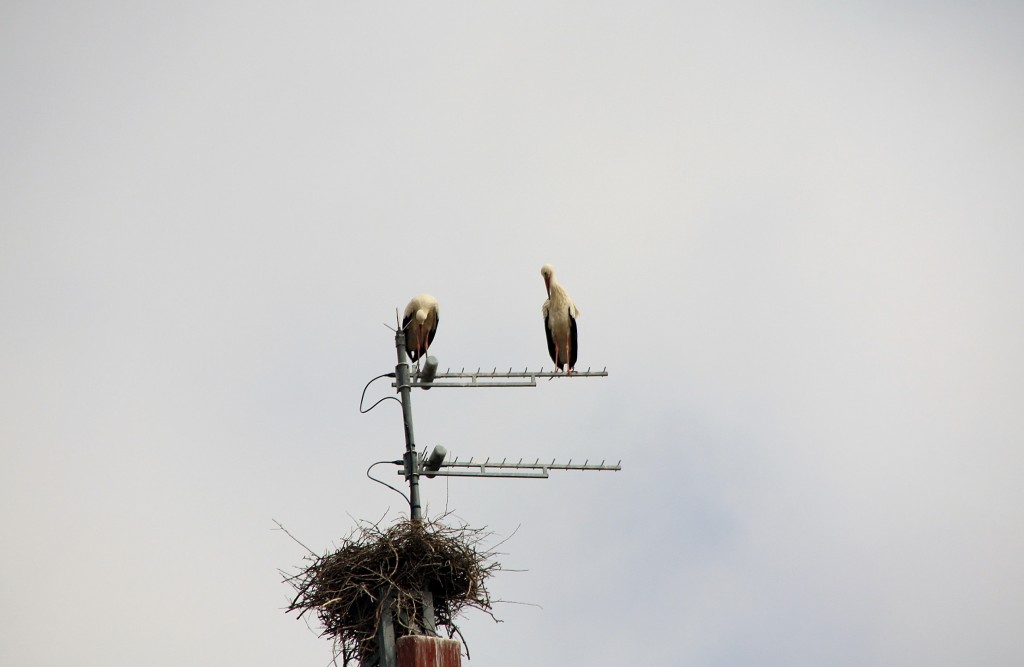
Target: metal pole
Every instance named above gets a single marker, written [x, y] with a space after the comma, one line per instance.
[386, 634]
[403, 381]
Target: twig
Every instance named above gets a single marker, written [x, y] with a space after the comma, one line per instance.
[296, 540]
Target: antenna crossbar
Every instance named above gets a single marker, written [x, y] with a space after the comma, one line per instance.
[539, 474]
[505, 468]
[494, 377]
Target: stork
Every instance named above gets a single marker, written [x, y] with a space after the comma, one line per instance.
[420, 324]
[560, 315]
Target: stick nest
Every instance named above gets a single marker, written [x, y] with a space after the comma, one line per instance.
[345, 588]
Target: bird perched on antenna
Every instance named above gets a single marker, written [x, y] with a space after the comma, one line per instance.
[420, 324]
[560, 315]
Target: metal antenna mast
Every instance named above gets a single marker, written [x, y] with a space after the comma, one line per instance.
[404, 383]
[413, 465]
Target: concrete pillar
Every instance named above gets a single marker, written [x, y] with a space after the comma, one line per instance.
[420, 651]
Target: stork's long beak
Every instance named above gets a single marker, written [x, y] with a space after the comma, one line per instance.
[547, 285]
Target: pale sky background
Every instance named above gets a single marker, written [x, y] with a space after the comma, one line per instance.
[795, 233]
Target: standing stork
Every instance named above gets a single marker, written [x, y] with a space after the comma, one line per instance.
[420, 324]
[560, 315]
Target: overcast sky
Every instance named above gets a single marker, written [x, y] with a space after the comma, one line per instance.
[795, 233]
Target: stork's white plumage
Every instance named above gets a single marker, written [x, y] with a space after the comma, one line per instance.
[560, 315]
[420, 324]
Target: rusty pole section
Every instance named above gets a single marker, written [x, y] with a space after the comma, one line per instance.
[419, 651]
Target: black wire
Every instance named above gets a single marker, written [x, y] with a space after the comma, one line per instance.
[397, 463]
[363, 412]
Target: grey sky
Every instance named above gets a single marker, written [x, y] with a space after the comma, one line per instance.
[794, 233]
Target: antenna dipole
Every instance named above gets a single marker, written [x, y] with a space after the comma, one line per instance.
[537, 469]
[495, 378]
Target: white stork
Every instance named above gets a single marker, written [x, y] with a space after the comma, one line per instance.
[560, 315]
[420, 324]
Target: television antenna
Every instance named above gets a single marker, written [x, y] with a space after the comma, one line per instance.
[414, 465]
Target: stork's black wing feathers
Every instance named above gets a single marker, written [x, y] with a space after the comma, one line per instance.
[551, 341]
[410, 344]
[437, 322]
[572, 340]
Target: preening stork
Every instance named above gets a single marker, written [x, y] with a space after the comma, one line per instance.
[420, 324]
[560, 315]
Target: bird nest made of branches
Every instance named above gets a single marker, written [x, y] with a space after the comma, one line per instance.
[346, 588]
